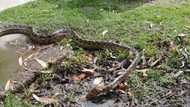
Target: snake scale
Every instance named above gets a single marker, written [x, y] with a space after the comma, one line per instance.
[49, 38]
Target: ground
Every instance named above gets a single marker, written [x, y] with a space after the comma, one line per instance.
[158, 28]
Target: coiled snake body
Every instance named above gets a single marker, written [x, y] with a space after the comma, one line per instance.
[49, 38]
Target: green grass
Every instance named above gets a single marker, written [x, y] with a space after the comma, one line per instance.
[127, 22]
[13, 101]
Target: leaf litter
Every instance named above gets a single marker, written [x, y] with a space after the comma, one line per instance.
[72, 82]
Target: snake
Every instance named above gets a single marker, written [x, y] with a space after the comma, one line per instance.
[45, 38]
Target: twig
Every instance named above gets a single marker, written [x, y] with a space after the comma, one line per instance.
[103, 89]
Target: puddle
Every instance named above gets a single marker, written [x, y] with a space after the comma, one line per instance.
[8, 56]
[8, 64]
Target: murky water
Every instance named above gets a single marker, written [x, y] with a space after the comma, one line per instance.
[8, 56]
[8, 64]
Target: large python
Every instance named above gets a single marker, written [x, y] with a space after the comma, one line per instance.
[58, 35]
[45, 38]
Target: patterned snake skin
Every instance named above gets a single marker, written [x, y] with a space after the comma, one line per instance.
[49, 38]
[35, 37]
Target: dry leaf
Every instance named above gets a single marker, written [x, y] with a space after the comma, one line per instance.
[82, 98]
[151, 25]
[157, 61]
[45, 100]
[122, 87]
[104, 32]
[98, 81]
[42, 63]
[9, 85]
[169, 93]
[144, 72]
[89, 57]
[48, 71]
[79, 77]
[20, 61]
[29, 57]
[130, 94]
[181, 34]
[173, 46]
[178, 74]
[85, 74]
[89, 71]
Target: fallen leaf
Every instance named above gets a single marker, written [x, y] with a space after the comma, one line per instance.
[29, 57]
[89, 57]
[144, 72]
[48, 71]
[42, 63]
[173, 46]
[79, 77]
[98, 81]
[178, 74]
[181, 34]
[151, 25]
[20, 60]
[45, 100]
[157, 61]
[9, 85]
[122, 87]
[83, 98]
[104, 32]
[130, 94]
[169, 93]
[89, 71]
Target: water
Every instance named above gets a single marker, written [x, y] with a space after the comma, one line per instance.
[8, 64]
[8, 57]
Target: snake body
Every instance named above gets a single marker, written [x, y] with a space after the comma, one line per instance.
[49, 38]
[35, 37]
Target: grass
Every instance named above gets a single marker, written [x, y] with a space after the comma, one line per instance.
[13, 101]
[137, 24]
